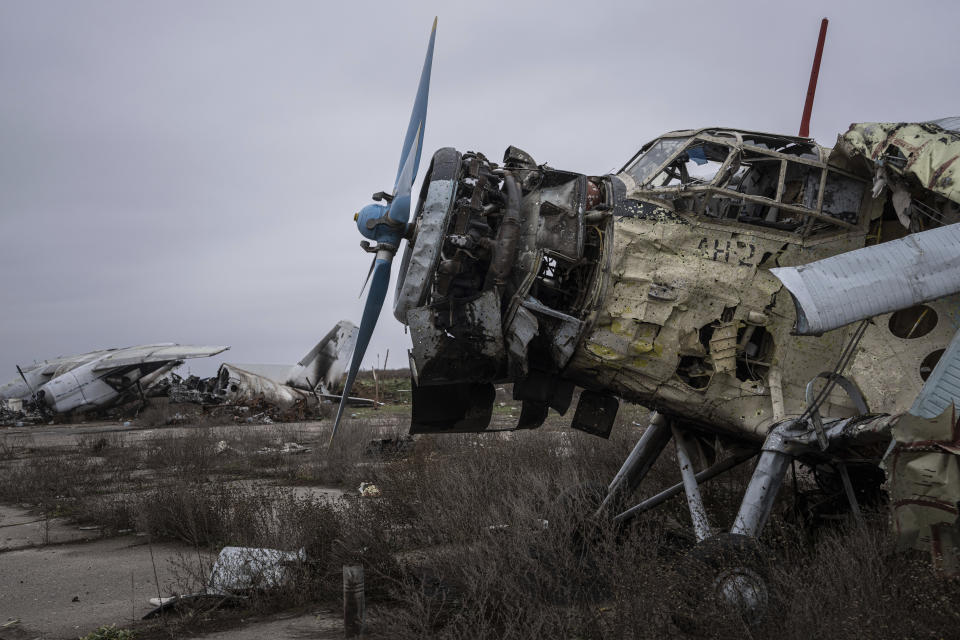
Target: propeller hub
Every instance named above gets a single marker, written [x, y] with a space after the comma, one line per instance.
[374, 222]
[370, 214]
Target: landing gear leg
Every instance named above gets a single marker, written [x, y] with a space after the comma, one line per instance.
[764, 485]
[640, 460]
[698, 515]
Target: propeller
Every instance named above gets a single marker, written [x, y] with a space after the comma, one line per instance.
[386, 225]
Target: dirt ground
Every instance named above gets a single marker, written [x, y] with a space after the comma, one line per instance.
[66, 589]
[61, 579]
[460, 536]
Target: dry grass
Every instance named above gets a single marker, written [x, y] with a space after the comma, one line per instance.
[456, 547]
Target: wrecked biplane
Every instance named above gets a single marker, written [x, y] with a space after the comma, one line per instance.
[99, 379]
[656, 285]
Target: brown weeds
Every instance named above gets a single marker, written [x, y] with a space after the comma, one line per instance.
[478, 536]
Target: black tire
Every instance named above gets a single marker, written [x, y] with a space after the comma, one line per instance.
[729, 570]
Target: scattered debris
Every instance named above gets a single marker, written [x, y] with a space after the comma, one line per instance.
[16, 412]
[222, 447]
[389, 446]
[237, 572]
[241, 569]
[369, 490]
[295, 391]
[286, 448]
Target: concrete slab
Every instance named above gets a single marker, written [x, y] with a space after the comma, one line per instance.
[68, 590]
[69, 435]
[22, 528]
[322, 626]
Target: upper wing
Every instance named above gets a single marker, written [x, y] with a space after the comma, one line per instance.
[56, 366]
[155, 353]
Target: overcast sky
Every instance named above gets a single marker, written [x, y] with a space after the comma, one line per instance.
[188, 171]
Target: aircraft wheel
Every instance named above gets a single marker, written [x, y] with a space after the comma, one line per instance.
[729, 569]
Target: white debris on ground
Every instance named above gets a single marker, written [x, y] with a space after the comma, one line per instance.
[369, 490]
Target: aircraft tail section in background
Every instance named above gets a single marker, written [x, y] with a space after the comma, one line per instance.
[324, 366]
[317, 376]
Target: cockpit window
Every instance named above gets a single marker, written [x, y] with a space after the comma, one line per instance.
[651, 160]
[759, 180]
[698, 164]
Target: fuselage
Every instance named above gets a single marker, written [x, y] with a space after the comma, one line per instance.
[651, 285]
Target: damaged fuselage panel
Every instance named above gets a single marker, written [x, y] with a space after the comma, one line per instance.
[650, 285]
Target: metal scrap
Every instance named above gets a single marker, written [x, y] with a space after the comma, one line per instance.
[923, 467]
[924, 485]
[905, 156]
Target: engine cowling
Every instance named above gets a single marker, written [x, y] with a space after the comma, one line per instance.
[79, 389]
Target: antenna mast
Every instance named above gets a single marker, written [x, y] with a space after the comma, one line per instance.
[812, 87]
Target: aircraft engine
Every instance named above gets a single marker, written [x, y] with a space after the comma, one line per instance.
[81, 388]
[498, 283]
[86, 387]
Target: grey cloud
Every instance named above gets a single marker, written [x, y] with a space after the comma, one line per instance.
[188, 171]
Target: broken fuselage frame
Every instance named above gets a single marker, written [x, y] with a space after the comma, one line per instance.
[651, 285]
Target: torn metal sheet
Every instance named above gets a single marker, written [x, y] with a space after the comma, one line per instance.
[445, 339]
[239, 386]
[923, 467]
[237, 572]
[926, 153]
[924, 483]
[239, 569]
[860, 284]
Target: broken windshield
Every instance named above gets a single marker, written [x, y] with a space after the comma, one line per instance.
[653, 158]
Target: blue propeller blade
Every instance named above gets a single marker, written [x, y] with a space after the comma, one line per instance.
[413, 141]
[388, 236]
[379, 282]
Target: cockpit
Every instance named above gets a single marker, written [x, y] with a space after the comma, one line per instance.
[778, 182]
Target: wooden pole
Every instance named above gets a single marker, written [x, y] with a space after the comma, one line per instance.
[354, 604]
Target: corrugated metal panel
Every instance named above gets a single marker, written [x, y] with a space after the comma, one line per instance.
[952, 124]
[943, 386]
[860, 284]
